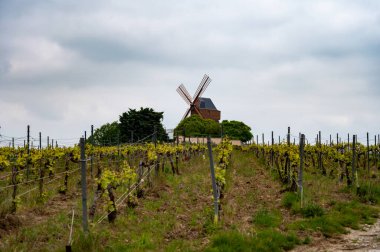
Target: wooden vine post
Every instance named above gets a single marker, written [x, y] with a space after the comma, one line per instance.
[368, 169]
[92, 155]
[354, 170]
[84, 185]
[374, 154]
[41, 182]
[320, 152]
[14, 183]
[213, 180]
[287, 162]
[272, 153]
[28, 151]
[300, 172]
[337, 138]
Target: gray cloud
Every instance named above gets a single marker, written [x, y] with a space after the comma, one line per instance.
[107, 50]
[312, 65]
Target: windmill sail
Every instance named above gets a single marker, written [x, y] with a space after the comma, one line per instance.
[202, 87]
[194, 102]
[184, 94]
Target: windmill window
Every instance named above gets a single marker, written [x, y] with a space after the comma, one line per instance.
[203, 105]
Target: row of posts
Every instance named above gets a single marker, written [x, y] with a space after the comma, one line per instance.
[302, 141]
[82, 144]
[83, 162]
[317, 139]
[29, 144]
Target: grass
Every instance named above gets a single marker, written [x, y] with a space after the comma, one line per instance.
[266, 219]
[369, 193]
[153, 225]
[176, 213]
[312, 210]
[266, 240]
[290, 200]
[343, 215]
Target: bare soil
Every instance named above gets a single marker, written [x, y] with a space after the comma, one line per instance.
[26, 217]
[246, 196]
[365, 239]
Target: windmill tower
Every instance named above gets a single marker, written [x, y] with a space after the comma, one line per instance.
[204, 107]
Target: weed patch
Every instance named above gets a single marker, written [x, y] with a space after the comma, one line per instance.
[266, 240]
[290, 200]
[312, 210]
[265, 219]
[369, 193]
[343, 215]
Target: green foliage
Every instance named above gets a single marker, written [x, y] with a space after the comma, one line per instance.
[227, 242]
[290, 200]
[106, 135]
[87, 242]
[209, 225]
[353, 213]
[343, 215]
[142, 123]
[325, 224]
[4, 163]
[266, 240]
[220, 176]
[237, 130]
[114, 179]
[17, 202]
[307, 240]
[369, 193]
[117, 178]
[42, 198]
[224, 150]
[196, 126]
[272, 240]
[265, 219]
[312, 210]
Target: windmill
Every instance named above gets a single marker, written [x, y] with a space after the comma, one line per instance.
[204, 107]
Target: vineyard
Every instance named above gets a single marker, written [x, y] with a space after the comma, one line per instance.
[174, 197]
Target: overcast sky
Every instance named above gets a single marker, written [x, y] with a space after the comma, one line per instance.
[311, 65]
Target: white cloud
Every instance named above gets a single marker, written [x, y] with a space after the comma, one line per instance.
[312, 65]
[35, 56]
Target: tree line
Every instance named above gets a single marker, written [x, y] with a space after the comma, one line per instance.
[140, 125]
[132, 126]
[196, 126]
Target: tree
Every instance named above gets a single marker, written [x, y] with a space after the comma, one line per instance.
[140, 124]
[237, 130]
[107, 134]
[196, 126]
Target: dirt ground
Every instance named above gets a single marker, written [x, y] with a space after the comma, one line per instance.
[26, 217]
[365, 239]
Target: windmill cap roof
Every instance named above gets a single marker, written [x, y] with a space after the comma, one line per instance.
[206, 103]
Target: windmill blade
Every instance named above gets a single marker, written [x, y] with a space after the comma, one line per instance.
[199, 112]
[186, 113]
[202, 87]
[184, 94]
[184, 90]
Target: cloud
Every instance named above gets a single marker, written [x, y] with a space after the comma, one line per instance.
[312, 65]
